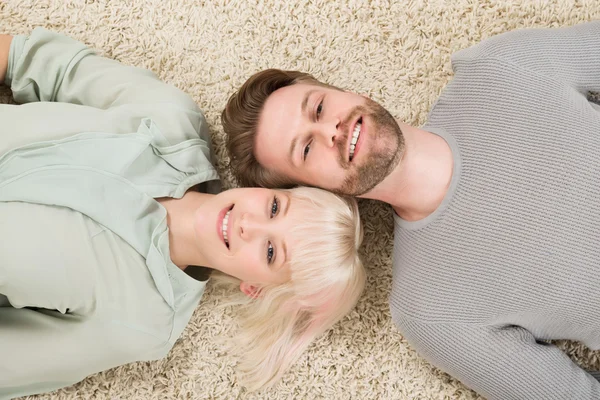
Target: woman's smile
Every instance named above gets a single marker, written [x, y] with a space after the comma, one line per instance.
[223, 226]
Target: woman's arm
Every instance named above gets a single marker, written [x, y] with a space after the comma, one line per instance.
[5, 41]
[44, 350]
[50, 67]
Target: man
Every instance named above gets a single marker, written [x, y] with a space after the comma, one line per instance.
[497, 200]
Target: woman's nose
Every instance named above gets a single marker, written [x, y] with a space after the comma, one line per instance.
[249, 226]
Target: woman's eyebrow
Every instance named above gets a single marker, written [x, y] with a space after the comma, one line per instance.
[283, 244]
[287, 205]
[285, 253]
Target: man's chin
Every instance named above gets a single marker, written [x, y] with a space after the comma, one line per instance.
[368, 178]
[357, 189]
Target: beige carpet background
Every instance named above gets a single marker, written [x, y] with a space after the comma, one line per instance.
[396, 52]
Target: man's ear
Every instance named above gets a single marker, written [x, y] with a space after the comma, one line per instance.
[250, 290]
[366, 96]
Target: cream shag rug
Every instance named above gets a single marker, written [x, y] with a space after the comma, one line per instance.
[397, 52]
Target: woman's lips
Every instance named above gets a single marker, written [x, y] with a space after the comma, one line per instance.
[220, 218]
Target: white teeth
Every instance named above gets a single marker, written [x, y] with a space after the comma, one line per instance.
[225, 222]
[355, 136]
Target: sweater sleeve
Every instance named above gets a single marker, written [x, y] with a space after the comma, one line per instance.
[569, 54]
[503, 363]
[50, 67]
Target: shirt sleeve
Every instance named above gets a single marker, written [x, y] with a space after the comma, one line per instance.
[569, 54]
[503, 364]
[44, 350]
[50, 67]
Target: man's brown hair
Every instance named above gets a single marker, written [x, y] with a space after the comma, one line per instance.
[240, 121]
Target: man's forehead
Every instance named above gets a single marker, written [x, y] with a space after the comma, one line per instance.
[279, 121]
[289, 97]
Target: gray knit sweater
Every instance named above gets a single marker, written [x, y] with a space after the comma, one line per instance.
[511, 258]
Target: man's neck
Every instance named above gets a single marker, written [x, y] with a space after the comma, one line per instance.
[418, 184]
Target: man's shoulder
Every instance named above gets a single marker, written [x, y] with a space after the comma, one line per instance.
[494, 47]
[502, 45]
[522, 45]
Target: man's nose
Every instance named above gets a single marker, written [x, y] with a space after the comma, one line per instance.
[329, 131]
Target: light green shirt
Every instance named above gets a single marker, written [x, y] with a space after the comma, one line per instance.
[86, 281]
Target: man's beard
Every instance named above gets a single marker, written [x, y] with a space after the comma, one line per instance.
[386, 146]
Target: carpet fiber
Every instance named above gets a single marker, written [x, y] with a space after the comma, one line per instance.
[397, 52]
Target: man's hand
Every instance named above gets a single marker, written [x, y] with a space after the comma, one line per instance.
[5, 41]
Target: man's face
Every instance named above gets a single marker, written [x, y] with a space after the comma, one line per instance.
[328, 138]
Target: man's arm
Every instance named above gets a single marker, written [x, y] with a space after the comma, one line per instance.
[5, 41]
[570, 54]
[500, 364]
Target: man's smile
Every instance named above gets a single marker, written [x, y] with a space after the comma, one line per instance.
[354, 139]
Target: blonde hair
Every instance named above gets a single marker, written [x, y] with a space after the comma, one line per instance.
[240, 120]
[327, 279]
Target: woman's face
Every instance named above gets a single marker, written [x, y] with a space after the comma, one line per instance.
[245, 233]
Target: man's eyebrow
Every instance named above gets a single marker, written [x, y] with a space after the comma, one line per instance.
[293, 149]
[303, 110]
[305, 101]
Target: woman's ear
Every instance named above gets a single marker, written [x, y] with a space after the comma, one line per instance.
[250, 290]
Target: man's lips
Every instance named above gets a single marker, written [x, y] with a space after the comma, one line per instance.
[360, 138]
[350, 135]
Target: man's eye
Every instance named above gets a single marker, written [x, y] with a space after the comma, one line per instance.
[270, 253]
[274, 207]
[319, 109]
[306, 150]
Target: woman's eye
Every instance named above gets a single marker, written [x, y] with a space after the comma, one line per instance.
[274, 207]
[270, 253]
[306, 150]
[319, 109]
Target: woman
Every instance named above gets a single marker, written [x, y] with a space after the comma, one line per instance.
[106, 200]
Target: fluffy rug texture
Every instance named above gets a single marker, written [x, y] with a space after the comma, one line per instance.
[397, 52]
